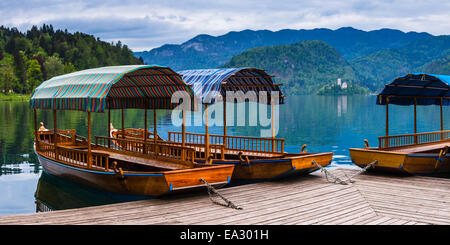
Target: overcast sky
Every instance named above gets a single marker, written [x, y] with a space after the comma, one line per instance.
[143, 25]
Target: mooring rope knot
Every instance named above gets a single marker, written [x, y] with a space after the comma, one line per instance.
[211, 190]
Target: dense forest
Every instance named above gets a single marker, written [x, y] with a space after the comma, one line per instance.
[303, 68]
[27, 59]
[429, 54]
[313, 66]
[439, 66]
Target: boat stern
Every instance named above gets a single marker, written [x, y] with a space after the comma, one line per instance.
[386, 160]
[192, 178]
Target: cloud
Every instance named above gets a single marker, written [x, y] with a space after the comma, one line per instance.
[146, 24]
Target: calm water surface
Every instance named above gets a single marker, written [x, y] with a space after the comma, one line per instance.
[324, 123]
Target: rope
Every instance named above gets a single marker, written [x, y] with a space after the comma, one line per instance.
[212, 191]
[336, 179]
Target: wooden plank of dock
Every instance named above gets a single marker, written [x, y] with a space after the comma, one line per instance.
[306, 200]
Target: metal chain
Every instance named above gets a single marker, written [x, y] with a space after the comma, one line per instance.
[212, 191]
[349, 179]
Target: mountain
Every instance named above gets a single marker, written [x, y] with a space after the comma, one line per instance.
[430, 54]
[205, 51]
[302, 68]
[27, 59]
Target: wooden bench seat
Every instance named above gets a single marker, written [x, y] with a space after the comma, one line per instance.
[141, 160]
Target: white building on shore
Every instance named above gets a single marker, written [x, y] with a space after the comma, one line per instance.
[341, 84]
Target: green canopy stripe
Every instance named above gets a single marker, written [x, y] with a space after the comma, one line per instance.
[123, 86]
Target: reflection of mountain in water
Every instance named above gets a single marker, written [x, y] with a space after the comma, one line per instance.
[54, 193]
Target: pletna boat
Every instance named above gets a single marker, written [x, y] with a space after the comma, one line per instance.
[254, 158]
[417, 153]
[138, 167]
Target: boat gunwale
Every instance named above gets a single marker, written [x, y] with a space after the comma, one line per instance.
[271, 159]
[377, 150]
[126, 172]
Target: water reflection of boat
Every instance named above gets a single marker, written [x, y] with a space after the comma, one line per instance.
[417, 153]
[54, 193]
[140, 168]
[253, 157]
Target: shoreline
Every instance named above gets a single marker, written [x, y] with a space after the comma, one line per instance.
[14, 97]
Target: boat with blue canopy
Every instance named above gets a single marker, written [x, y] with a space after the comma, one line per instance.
[123, 165]
[416, 153]
[254, 158]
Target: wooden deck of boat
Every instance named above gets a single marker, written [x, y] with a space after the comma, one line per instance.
[422, 147]
[370, 200]
[142, 160]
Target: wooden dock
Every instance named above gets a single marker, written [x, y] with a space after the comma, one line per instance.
[306, 200]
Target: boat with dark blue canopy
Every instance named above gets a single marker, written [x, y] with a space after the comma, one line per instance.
[416, 153]
[253, 157]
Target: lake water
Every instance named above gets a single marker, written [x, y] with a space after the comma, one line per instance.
[324, 123]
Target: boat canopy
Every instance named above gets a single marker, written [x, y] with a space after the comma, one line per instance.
[425, 89]
[208, 84]
[112, 87]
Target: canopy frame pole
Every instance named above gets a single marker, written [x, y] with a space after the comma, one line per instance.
[442, 120]
[123, 125]
[36, 139]
[144, 148]
[145, 121]
[89, 141]
[109, 127]
[206, 134]
[415, 120]
[55, 129]
[387, 122]
[183, 135]
[272, 107]
[155, 133]
[225, 138]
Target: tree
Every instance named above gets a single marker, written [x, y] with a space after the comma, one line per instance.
[69, 68]
[34, 76]
[54, 67]
[1, 53]
[7, 79]
[20, 69]
[22, 44]
[40, 59]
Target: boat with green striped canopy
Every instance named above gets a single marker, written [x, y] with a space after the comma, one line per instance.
[137, 167]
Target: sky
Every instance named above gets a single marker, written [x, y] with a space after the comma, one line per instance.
[143, 25]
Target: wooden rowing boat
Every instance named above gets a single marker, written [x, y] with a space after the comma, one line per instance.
[417, 153]
[250, 163]
[147, 168]
[254, 158]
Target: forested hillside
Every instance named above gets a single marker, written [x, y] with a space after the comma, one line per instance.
[363, 59]
[27, 59]
[430, 54]
[206, 51]
[439, 66]
[303, 68]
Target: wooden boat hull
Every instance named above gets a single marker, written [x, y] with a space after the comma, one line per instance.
[399, 162]
[275, 168]
[140, 183]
